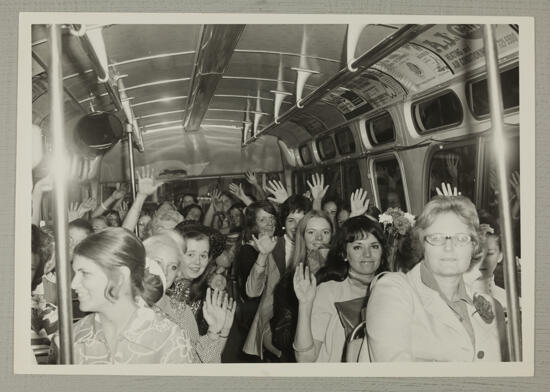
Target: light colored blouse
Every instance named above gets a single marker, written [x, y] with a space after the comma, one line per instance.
[325, 323]
[149, 337]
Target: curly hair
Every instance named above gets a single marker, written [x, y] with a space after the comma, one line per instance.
[460, 206]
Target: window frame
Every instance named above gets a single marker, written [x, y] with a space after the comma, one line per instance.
[468, 93]
[300, 148]
[417, 123]
[374, 183]
[369, 132]
[342, 130]
[322, 155]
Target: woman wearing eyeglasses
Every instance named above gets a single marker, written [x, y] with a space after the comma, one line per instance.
[429, 314]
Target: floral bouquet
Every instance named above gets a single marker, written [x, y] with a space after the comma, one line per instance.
[396, 225]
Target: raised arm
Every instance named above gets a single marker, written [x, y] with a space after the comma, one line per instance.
[252, 180]
[106, 204]
[238, 192]
[278, 191]
[359, 203]
[318, 190]
[147, 185]
[306, 349]
[255, 283]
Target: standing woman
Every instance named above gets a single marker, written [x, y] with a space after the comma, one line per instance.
[190, 299]
[429, 313]
[109, 279]
[352, 264]
[313, 237]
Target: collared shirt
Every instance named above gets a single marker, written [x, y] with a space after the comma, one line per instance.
[458, 306]
[149, 337]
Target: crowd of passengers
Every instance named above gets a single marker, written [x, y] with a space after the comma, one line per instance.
[280, 278]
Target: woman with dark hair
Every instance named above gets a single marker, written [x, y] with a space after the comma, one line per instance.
[352, 264]
[258, 244]
[267, 271]
[110, 279]
[192, 212]
[429, 313]
[169, 250]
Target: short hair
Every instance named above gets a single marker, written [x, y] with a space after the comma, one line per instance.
[250, 226]
[111, 249]
[185, 210]
[461, 206]
[82, 224]
[354, 229]
[300, 247]
[295, 203]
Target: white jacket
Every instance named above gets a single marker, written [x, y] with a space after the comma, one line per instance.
[407, 321]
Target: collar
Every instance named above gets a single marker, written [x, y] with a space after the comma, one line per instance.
[428, 279]
[141, 320]
[288, 239]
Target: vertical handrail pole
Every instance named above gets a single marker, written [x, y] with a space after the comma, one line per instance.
[499, 149]
[58, 171]
[130, 134]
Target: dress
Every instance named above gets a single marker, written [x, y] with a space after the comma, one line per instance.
[408, 321]
[206, 349]
[325, 323]
[149, 338]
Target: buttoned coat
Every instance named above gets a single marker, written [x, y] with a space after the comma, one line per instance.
[408, 321]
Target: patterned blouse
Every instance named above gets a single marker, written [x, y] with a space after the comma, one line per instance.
[149, 337]
[206, 350]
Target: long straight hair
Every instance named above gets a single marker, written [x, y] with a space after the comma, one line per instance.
[300, 251]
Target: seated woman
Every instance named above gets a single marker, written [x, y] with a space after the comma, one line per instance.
[168, 249]
[352, 264]
[313, 238]
[109, 279]
[190, 299]
[429, 314]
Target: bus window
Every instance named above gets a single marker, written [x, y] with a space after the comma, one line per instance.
[305, 154]
[380, 129]
[325, 146]
[389, 183]
[344, 141]
[332, 178]
[352, 179]
[456, 166]
[437, 113]
[477, 93]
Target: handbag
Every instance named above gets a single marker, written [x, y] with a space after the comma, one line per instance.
[352, 314]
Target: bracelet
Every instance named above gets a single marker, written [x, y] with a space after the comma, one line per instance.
[303, 350]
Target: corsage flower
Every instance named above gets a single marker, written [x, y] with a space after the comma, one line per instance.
[484, 308]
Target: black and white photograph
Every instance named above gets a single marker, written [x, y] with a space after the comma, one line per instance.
[297, 195]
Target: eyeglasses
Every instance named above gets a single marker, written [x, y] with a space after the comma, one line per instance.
[439, 239]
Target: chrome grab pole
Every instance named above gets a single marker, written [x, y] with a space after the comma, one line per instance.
[499, 148]
[58, 171]
[130, 134]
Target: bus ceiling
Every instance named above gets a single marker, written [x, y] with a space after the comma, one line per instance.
[197, 97]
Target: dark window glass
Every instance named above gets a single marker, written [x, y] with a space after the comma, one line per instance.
[380, 129]
[478, 98]
[344, 141]
[443, 111]
[305, 154]
[352, 179]
[389, 182]
[456, 166]
[332, 179]
[326, 148]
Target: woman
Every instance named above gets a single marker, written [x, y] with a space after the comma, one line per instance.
[357, 257]
[190, 261]
[313, 237]
[192, 212]
[273, 257]
[109, 278]
[429, 314]
[260, 245]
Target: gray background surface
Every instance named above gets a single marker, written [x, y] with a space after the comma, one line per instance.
[540, 9]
